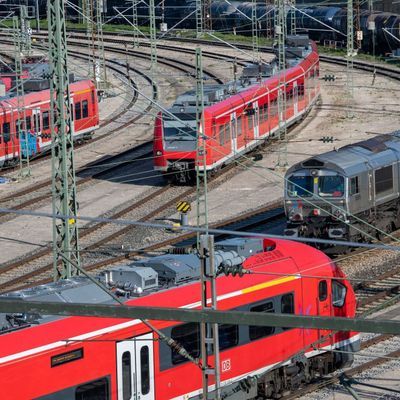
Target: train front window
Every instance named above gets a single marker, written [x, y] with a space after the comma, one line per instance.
[179, 132]
[332, 185]
[300, 186]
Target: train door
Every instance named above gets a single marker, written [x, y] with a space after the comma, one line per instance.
[135, 369]
[234, 132]
[295, 98]
[37, 130]
[324, 308]
[256, 120]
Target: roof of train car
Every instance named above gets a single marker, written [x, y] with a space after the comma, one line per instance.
[36, 97]
[351, 159]
[255, 90]
[288, 257]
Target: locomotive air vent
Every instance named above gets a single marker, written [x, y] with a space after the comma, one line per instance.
[312, 163]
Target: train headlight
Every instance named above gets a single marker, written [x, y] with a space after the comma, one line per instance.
[158, 153]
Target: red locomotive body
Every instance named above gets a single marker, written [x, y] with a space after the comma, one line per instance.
[234, 124]
[36, 137]
[105, 358]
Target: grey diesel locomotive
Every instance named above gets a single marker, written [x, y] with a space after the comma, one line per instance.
[346, 193]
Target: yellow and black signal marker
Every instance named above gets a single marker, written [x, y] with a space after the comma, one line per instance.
[183, 206]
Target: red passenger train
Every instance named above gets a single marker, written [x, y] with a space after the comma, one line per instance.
[36, 133]
[238, 116]
[82, 358]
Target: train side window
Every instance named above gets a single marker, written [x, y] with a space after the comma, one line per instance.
[257, 332]
[145, 369]
[46, 120]
[287, 306]
[384, 179]
[28, 123]
[228, 336]
[94, 390]
[126, 376]
[78, 111]
[85, 109]
[221, 135]
[239, 126]
[6, 132]
[227, 133]
[339, 292]
[188, 335]
[92, 93]
[322, 290]
[301, 90]
[354, 188]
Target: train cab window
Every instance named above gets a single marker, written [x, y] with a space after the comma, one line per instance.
[28, 123]
[6, 132]
[188, 335]
[126, 376]
[145, 369]
[338, 294]
[354, 188]
[384, 179]
[46, 120]
[94, 390]
[85, 109]
[322, 290]
[228, 336]
[78, 111]
[257, 332]
[300, 186]
[331, 185]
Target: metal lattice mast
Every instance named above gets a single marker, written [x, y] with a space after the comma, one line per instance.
[269, 20]
[153, 38]
[292, 4]
[280, 33]
[207, 20]
[89, 15]
[205, 245]
[358, 23]
[24, 167]
[350, 59]
[65, 231]
[199, 18]
[101, 59]
[135, 23]
[26, 31]
[201, 172]
[254, 30]
[371, 25]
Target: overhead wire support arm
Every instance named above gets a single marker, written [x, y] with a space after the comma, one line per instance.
[65, 230]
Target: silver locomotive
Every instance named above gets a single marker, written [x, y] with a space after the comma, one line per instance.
[347, 194]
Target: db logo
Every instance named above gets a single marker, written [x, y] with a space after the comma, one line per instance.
[226, 365]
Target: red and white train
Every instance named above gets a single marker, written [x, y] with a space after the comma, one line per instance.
[82, 358]
[35, 119]
[237, 117]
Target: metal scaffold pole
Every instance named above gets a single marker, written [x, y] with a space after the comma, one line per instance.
[205, 246]
[280, 34]
[153, 38]
[350, 59]
[24, 163]
[254, 30]
[65, 231]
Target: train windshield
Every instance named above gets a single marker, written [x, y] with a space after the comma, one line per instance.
[331, 186]
[300, 186]
[182, 128]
